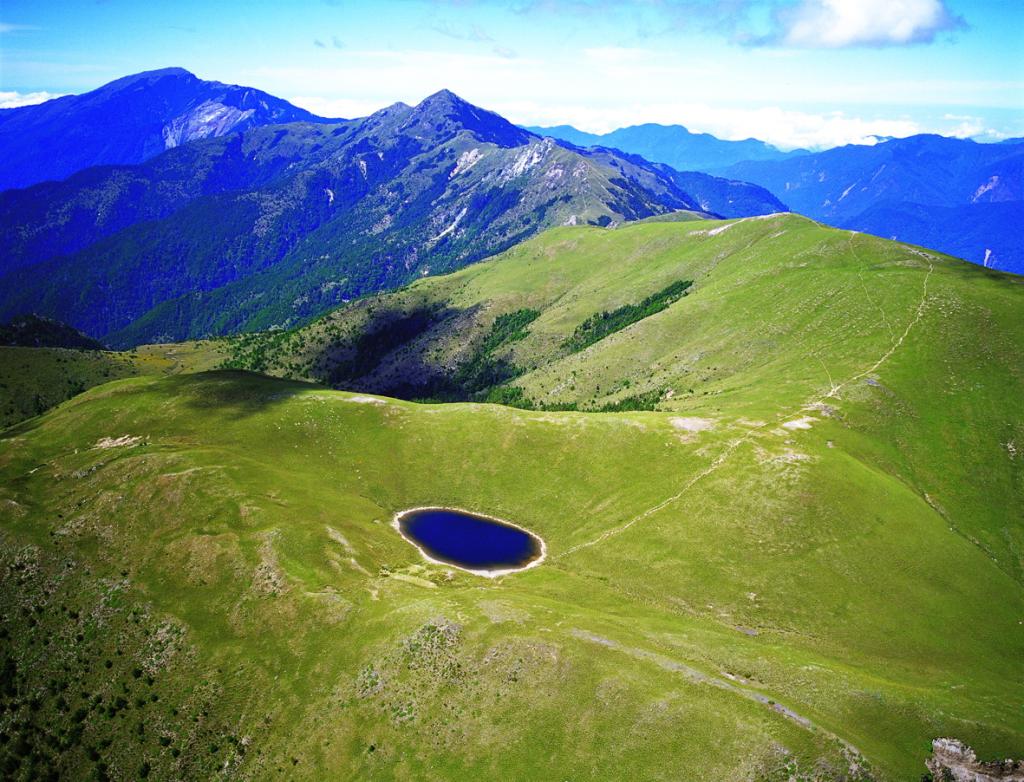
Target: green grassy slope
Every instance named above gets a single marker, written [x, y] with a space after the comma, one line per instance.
[781, 307]
[808, 567]
[33, 380]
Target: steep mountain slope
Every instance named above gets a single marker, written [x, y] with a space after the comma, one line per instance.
[725, 197]
[128, 121]
[673, 145]
[912, 189]
[56, 219]
[280, 223]
[808, 568]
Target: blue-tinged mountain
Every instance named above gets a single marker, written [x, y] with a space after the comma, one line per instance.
[128, 121]
[953, 195]
[672, 145]
[276, 224]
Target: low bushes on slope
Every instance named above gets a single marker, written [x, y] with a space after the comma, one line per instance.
[599, 326]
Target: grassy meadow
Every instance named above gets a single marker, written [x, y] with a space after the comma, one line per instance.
[804, 561]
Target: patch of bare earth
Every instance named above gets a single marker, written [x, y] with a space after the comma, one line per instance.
[124, 441]
[955, 761]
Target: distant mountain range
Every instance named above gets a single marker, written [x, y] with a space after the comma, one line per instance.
[240, 211]
[672, 145]
[128, 121]
[279, 223]
[953, 195]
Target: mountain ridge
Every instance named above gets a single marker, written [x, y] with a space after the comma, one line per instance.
[129, 120]
[281, 222]
[35, 332]
[915, 189]
[673, 145]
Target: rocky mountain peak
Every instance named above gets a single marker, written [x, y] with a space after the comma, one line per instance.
[444, 114]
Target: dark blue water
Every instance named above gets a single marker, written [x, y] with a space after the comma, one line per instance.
[469, 541]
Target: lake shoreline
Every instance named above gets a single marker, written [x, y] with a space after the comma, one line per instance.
[396, 522]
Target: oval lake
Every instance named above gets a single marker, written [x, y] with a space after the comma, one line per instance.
[476, 543]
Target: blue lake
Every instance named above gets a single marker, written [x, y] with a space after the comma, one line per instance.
[469, 541]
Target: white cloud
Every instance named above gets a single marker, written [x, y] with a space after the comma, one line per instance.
[832, 24]
[967, 126]
[781, 127]
[346, 108]
[6, 27]
[462, 33]
[12, 100]
[611, 87]
[614, 85]
[474, 34]
[787, 129]
[617, 56]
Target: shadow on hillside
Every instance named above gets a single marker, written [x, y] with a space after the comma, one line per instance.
[390, 355]
[234, 392]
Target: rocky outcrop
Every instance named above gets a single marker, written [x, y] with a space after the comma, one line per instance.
[954, 761]
[209, 118]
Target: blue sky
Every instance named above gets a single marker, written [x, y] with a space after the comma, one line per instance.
[794, 72]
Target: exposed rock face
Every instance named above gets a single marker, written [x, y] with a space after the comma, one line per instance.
[954, 761]
[209, 118]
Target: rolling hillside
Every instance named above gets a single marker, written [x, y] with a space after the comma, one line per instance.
[806, 563]
[36, 379]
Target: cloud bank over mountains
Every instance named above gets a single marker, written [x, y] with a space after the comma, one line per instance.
[796, 73]
[13, 99]
[834, 24]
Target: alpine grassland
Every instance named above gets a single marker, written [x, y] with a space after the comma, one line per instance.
[32, 380]
[804, 560]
